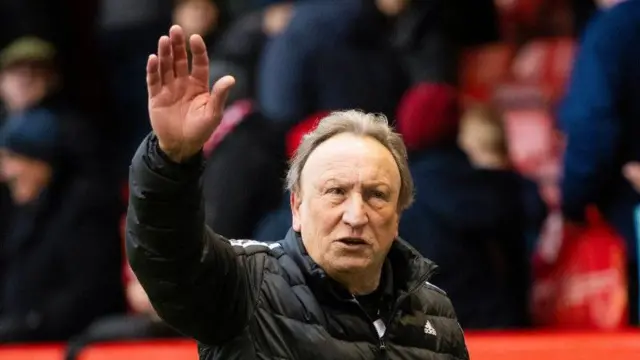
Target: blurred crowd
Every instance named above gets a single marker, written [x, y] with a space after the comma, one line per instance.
[510, 109]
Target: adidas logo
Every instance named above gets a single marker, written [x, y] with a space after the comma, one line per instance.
[428, 329]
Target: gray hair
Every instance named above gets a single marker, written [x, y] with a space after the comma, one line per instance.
[359, 123]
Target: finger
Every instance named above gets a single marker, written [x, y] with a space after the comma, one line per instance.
[154, 84]
[220, 93]
[166, 60]
[200, 59]
[179, 50]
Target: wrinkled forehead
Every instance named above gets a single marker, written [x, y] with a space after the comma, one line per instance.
[353, 159]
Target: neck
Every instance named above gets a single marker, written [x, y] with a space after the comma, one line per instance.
[360, 283]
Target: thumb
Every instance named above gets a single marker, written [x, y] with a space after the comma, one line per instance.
[220, 93]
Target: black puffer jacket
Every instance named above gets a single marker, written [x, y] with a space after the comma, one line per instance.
[242, 299]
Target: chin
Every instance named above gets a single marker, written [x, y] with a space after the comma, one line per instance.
[350, 264]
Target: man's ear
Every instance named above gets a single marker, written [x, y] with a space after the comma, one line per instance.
[295, 200]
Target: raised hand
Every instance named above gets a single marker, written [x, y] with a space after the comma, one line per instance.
[183, 112]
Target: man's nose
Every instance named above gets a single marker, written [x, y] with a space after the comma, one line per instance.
[355, 213]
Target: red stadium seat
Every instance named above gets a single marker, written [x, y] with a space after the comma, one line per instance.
[165, 350]
[32, 352]
[554, 346]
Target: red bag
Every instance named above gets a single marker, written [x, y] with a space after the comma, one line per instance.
[585, 286]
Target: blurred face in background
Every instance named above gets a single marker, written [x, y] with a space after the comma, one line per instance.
[276, 17]
[347, 206]
[392, 7]
[481, 136]
[605, 4]
[25, 177]
[196, 16]
[24, 85]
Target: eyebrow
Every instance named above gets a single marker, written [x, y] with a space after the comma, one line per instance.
[370, 184]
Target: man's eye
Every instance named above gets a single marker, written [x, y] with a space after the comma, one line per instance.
[377, 194]
[336, 191]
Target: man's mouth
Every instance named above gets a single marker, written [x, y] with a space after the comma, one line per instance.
[352, 241]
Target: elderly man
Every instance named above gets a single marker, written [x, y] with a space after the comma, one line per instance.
[341, 285]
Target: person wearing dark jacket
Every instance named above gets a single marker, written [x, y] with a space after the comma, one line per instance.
[341, 285]
[61, 250]
[235, 201]
[338, 45]
[599, 117]
[469, 215]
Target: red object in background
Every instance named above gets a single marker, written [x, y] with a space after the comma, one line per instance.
[585, 286]
[32, 352]
[532, 345]
[533, 143]
[493, 345]
[233, 115]
[524, 12]
[295, 135]
[428, 113]
[156, 350]
[483, 68]
[547, 63]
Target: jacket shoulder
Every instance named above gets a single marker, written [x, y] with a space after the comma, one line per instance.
[435, 301]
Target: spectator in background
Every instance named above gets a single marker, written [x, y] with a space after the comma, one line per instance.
[126, 34]
[332, 55]
[482, 137]
[423, 36]
[600, 119]
[61, 252]
[28, 74]
[430, 35]
[471, 219]
[236, 44]
[242, 178]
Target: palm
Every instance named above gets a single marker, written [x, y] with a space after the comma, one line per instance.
[179, 111]
[182, 111]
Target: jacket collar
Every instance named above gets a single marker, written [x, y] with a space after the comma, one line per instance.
[408, 267]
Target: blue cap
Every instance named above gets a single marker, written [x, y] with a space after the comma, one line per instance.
[34, 134]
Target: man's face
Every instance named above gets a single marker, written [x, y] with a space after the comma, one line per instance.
[347, 206]
[23, 85]
[26, 178]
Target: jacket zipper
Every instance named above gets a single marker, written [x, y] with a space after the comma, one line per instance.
[382, 346]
